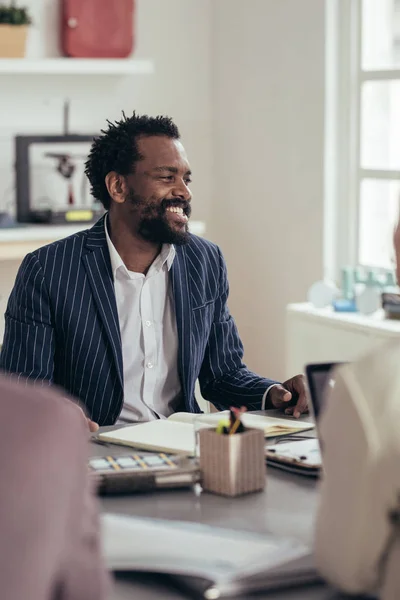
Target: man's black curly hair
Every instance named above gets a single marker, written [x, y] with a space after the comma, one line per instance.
[116, 149]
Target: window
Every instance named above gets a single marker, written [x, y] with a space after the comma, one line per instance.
[363, 75]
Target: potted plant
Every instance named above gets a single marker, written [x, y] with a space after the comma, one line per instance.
[14, 23]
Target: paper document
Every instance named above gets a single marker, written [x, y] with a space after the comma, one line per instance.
[303, 451]
[302, 457]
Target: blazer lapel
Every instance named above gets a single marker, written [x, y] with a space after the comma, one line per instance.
[98, 268]
[183, 309]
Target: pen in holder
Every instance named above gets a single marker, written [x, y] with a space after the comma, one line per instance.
[232, 465]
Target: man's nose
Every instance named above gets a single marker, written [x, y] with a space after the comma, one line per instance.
[182, 191]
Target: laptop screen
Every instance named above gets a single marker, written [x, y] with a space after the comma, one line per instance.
[318, 378]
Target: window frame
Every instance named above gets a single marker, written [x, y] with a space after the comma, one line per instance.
[344, 79]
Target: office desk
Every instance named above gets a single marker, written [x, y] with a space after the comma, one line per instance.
[287, 506]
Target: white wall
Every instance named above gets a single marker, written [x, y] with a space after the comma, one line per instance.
[267, 213]
[175, 33]
[244, 81]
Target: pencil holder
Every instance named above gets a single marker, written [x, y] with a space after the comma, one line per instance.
[232, 465]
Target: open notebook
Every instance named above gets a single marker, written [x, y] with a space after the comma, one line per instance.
[228, 562]
[176, 434]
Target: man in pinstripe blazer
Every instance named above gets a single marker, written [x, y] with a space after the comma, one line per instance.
[127, 315]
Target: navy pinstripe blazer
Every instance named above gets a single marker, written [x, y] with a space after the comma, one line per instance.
[61, 326]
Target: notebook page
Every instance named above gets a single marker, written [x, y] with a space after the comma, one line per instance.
[158, 436]
[272, 426]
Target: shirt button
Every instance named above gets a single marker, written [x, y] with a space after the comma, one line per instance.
[148, 323]
[150, 365]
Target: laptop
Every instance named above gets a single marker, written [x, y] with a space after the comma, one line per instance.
[304, 456]
[319, 378]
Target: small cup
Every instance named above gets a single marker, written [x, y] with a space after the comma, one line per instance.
[232, 465]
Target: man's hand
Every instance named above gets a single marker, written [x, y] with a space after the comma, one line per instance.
[291, 394]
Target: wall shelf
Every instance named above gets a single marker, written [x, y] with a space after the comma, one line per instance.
[75, 66]
[16, 242]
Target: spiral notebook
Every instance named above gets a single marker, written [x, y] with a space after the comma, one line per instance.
[215, 562]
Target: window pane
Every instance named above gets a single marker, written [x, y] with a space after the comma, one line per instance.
[380, 125]
[379, 203]
[380, 34]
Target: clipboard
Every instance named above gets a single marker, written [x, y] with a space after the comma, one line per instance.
[298, 456]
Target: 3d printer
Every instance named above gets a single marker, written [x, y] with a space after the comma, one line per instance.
[51, 185]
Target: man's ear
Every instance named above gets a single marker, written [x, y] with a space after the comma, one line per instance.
[116, 186]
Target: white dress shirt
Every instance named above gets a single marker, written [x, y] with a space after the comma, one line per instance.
[147, 321]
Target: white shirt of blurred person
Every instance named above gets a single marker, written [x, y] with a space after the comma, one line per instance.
[360, 435]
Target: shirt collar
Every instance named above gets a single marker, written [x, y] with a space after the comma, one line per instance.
[166, 255]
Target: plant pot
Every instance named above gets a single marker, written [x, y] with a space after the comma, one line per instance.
[13, 40]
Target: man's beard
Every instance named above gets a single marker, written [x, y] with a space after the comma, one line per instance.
[154, 225]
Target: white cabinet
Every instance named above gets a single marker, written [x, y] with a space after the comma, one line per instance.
[319, 335]
[16, 242]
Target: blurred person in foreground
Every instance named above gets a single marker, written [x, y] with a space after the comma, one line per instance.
[127, 315]
[49, 543]
[357, 543]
